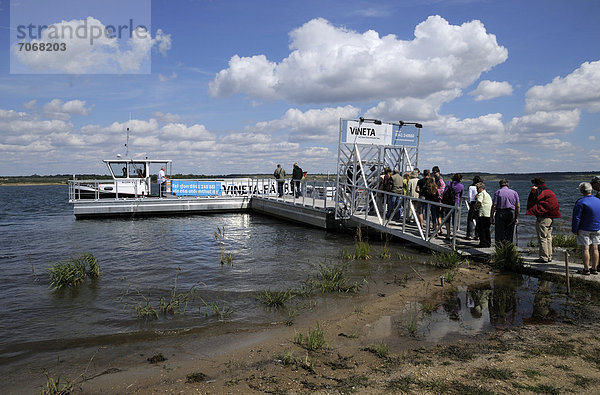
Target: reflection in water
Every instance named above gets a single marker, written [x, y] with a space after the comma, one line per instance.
[542, 309]
[480, 301]
[505, 302]
[503, 305]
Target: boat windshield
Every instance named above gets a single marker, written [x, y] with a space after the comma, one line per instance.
[128, 169]
[137, 169]
[118, 169]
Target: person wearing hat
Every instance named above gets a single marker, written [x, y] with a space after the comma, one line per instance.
[543, 204]
[586, 225]
[505, 212]
[596, 185]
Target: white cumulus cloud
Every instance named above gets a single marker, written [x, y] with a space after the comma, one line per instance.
[57, 109]
[166, 118]
[314, 124]
[580, 89]
[329, 63]
[487, 90]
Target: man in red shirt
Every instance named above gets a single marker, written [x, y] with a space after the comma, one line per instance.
[542, 204]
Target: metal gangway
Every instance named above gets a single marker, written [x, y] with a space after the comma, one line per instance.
[365, 148]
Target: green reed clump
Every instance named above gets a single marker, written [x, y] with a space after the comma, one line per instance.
[222, 312]
[362, 250]
[276, 298]
[446, 260]
[55, 387]
[385, 252]
[380, 349]
[177, 301]
[312, 341]
[144, 307]
[450, 275]
[412, 324]
[333, 277]
[507, 257]
[346, 254]
[565, 241]
[74, 272]
[225, 257]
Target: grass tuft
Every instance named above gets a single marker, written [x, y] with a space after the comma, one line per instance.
[222, 313]
[565, 241]
[196, 377]
[507, 257]
[362, 250]
[312, 341]
[446, 260]
[494, 373]
[380, 349]
[74, 272]
[55, 387]
[276, 299]
[334, 278]
[225, 257]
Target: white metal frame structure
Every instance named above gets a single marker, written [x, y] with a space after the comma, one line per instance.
[360, 165]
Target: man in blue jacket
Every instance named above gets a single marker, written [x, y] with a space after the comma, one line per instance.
[586, 225]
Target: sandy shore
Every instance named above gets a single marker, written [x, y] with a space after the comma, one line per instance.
[369, 348]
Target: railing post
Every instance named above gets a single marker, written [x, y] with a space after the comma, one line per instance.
[567, 272]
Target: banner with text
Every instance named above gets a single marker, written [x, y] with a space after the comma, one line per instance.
[356, 132]
[196, 188]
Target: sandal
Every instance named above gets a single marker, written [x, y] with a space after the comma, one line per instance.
[584, 272]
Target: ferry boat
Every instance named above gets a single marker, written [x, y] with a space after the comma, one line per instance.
[131, 178]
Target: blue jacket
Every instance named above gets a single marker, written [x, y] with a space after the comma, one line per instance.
[586, 214]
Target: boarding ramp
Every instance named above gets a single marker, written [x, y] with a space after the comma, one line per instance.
[366, 147]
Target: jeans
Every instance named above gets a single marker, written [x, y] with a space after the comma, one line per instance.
[393, 201]
[280, 188]
[297, 191]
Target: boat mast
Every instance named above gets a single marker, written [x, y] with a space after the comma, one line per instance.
[127, 143]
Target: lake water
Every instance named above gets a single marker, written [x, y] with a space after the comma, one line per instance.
[38, 229]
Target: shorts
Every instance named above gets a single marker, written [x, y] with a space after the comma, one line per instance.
[418, 206]
[586, 237]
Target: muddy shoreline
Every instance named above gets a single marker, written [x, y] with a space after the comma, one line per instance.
[367, 349]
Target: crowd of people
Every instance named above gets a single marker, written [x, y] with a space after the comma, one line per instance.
[501, 210]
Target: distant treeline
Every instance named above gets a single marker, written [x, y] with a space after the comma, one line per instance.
[553, 176]
[63, 178]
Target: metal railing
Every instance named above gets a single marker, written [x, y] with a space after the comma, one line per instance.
[371, 204]
[91, 189]
[311, 191]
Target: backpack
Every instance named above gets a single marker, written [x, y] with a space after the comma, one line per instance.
[388, 184]
[449, 196]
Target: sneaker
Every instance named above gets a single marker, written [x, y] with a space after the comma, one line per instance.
[584, 272]
[593, 271]
[540, 260]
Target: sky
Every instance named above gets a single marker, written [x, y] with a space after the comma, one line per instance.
[223, 87]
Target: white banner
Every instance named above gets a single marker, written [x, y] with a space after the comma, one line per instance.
[356, 132]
